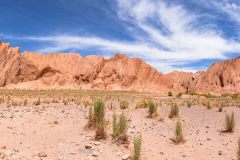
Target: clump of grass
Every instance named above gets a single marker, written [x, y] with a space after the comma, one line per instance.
[124, 104]
[119, 128]
[99, 111]
[209, 105]
[65, 102]
[143, 103]
[100, 131]
[25, 102]
[238, 149]
[114, 126]
[189, 104]
[152, 109]
[99, 121]
[37, 102]
[179, 95]
[174, 111]
[137, 143]
[178, 133]
[220, 109]
[229, 122]
[90, 118]
[170, 94]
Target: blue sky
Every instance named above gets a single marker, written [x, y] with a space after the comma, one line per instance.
[186, 35]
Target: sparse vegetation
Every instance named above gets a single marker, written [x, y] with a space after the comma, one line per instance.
[119, 128]
[209, 105]
[124, 104]
[174, 111]
[170, 94]
[179, 95]
[37, 102]
[99, 120]
[152, 109]
[238, 149]
[189, 104]
[178, 133]
[137, 143]
[220, 109]
[229, 122]
[143, 103]
[90, 118]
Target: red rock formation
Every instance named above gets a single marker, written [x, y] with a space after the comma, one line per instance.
[70, 70]
[93, 72]
[221, 77]
[14, 68]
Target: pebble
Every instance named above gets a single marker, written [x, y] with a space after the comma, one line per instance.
[42, 154]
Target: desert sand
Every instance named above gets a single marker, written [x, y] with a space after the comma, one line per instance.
[55, 130]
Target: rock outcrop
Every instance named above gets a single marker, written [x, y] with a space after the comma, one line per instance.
[221, 77]
[70, 70]
[14, 68]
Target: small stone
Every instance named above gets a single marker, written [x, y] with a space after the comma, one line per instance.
[126, 157]
[88, 146]
[96, 143]
[42, 154]
[94, 154]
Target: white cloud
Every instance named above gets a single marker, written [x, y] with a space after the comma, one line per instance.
[165, 35]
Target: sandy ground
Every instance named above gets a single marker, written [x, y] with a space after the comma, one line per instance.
[56, 132]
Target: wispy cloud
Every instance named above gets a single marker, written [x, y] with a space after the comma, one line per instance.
[165, 34]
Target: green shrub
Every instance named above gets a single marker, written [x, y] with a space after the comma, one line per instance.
[143, 103]
[229, 122]
[152, 109]
[179, 95]
[114, 125]
[124, 104]
[100, 131]
[238, 149]
[99, 111]
[220, 109]
[209, 105]
[174, 111]
[119, 128]
[189, 104]
[170, 94]
[178, 132]
[38, 102]
[90, 118]
[137, 147]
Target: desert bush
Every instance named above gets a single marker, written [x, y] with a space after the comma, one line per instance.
[100, 130]
[143, 103]
[209, 105]
[238, 149]
[170, 94]
[179, 95]
[99, 111]
[229, 122]
[119, 128]
[37, 102]
[220, 109]
[25, 102]
[124, 104]
[14, 103]
[65, 102]
[137, 143]
[90, 118]
[114, 125]
[152, 109]
[1, 100]
[178, 133]
[174, 111]
[189, 104]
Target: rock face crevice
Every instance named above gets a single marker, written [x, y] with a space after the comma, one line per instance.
[70, 70]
